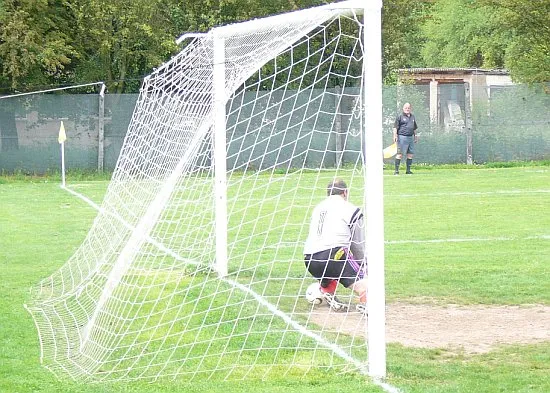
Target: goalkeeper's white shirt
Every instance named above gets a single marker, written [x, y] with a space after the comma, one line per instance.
[333, 225]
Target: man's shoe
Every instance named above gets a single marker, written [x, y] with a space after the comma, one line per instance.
[396, 173]
[333, 302]
[362, 308]
[408, 173]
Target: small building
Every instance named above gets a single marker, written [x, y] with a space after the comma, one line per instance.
[450, 88]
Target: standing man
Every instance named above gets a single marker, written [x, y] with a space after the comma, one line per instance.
[335, 247]
[404, 133]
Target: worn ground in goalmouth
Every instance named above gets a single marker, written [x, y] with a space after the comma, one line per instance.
[456, 328]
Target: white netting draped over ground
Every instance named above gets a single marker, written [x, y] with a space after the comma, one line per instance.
[194, 266]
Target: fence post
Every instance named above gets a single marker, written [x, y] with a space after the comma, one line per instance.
[468, 124]
[101, 130]
[338, 126]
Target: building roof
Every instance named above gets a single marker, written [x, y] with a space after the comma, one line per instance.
[447, 71]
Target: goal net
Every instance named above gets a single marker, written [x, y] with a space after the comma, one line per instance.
[194, 266]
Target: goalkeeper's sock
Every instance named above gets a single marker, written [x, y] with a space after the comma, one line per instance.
[330, 288]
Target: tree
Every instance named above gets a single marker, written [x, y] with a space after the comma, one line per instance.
[401, 35]
[511, 34]
[120, 42]
[464, 33]
[528, 54]
[34, 45]
[34, 50]
[202, 15]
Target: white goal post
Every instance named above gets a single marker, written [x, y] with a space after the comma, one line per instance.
[194, 266]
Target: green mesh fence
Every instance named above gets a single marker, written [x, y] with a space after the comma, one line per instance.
[503, 124]
[29, 129]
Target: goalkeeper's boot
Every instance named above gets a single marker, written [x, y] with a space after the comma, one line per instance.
[333, 302]
[362, 308]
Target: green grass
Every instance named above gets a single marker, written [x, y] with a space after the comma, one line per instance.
[454, 235]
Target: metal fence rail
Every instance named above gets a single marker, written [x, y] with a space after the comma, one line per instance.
[512, 123]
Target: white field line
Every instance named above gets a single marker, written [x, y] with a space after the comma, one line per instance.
[127, 225]
[387, 387]
[335, 348]
[470, 239]
[457, 240]
[471, 193]
[313, 197]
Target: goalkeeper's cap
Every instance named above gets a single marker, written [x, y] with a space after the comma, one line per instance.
[336, 187]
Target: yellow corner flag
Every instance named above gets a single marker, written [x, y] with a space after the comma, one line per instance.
[390, 151]
[62, 136]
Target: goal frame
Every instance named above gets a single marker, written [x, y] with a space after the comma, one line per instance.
[174, 186]
[374, 194]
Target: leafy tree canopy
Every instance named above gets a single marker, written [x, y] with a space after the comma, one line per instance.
[35, 42]
[528, 55]
[56, 42]
[511, 34]
[401, 35]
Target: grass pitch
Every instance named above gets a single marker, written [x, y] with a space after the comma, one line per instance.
[460, 236]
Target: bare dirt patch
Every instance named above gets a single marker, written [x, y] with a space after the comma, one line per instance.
[472, 329]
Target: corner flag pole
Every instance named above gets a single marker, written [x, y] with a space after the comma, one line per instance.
[61, 139]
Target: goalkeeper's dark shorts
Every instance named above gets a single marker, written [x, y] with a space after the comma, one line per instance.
[334, 264]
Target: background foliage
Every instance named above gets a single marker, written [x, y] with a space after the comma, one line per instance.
[47, 43]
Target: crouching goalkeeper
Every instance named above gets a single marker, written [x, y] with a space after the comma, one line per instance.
[335, 246]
